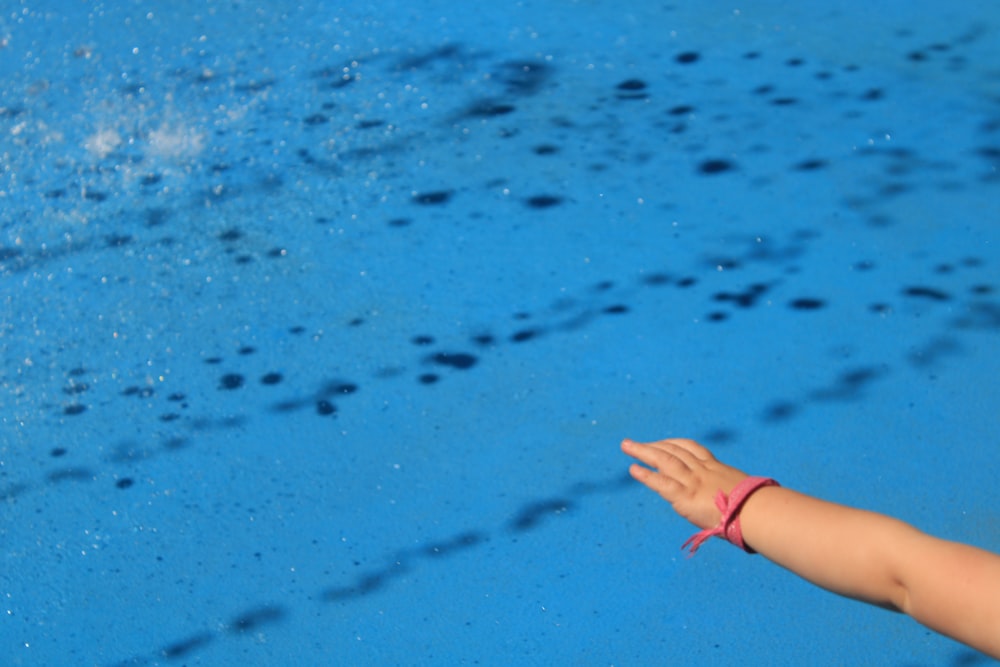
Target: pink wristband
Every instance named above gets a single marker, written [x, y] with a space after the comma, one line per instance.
[729, 525]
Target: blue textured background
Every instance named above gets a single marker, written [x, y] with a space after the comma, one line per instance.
[321, 325]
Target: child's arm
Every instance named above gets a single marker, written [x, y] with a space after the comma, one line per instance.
[949, 587]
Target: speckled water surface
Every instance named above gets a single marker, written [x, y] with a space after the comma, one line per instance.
[321, 324]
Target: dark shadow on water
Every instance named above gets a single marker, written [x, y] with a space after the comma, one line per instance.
[531, 515]
[962, 658]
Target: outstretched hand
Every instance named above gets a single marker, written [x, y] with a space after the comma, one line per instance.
[856, 553]
[685, 474]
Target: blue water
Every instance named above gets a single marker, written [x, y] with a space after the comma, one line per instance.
[321, 325]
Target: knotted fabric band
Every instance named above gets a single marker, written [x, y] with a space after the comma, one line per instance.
[729, 525]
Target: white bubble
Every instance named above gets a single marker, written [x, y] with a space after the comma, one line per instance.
[103, 142]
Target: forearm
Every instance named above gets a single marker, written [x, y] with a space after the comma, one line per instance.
[839, 548]
[880, 560]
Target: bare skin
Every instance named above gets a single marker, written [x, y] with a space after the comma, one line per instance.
[951, 588]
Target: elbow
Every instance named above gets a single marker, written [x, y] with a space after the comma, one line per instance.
[898, 600]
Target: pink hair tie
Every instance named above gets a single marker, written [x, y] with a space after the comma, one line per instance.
[729, 525]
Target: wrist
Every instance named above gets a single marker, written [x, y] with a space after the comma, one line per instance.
[730, 505]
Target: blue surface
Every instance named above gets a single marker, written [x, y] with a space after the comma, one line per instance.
[321, 326]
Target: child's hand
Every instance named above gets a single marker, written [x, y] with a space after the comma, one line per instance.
[686, 475]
